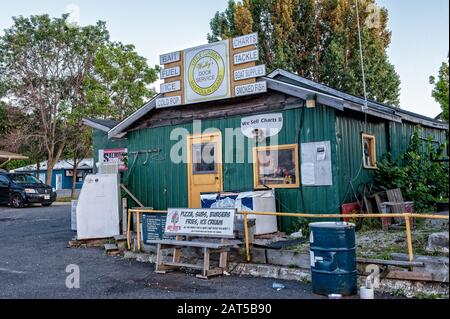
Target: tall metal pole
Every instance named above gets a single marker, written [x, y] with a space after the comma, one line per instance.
[361, 56]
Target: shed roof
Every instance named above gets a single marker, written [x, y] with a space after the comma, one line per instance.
[86, 163]
[104, 125]
[393, 113]
[295, 85]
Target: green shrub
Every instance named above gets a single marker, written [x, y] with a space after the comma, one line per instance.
[421, 180]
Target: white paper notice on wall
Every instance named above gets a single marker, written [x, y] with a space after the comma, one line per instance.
[316, 166]
[308, 174]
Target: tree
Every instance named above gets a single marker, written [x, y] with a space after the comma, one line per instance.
[57, 74]
[3, 118]
[15, 136]
[440, 91]
[122, 81]
[318, 39]
[44, 63]
[79, 146]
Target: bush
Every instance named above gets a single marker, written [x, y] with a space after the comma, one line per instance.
[420, 179]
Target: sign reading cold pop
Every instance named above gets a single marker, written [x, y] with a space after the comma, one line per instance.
[210, 222]
[207, 72]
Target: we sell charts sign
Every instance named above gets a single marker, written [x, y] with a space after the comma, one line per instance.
[207, 72]
[200, 222]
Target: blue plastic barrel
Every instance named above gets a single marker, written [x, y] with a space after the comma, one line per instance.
[333, 258]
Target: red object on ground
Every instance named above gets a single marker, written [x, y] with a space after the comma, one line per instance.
[350, 208]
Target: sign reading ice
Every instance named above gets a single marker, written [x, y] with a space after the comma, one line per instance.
[207, 72]
[211, 222]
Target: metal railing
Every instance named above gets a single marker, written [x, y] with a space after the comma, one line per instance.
[406, 216]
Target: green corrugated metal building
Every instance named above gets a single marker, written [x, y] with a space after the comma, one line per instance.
[312, 113]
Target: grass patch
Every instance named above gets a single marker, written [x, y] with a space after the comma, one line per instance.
[423, 295]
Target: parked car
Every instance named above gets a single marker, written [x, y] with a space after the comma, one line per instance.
[18, 190]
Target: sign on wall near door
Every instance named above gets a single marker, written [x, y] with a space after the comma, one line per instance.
[117, 155]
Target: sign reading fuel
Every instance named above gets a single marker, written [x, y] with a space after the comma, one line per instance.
[214, 71]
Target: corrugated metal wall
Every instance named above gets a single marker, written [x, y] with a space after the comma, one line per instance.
[162, 184]
[400, 137]
[391, 137]
[349, 148]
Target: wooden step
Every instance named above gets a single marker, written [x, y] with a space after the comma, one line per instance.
[410, 275]
[183, 265]
[119, 238]
[185, 243]
[398, 263]
[111, 247]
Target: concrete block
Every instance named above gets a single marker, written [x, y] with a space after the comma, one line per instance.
[438, 242]
[259, 255]
[437, 266]
[111, 247]
[294, 274]
[288, 258]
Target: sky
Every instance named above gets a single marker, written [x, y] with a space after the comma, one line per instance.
[420, 32]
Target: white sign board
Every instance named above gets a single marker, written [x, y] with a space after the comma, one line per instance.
[316, 165]
[170, 72]
[245, 57]
[248, 89]
[97, 211]
[168, 102]
[245, 40]
[170, 58]
[200, 222]
[249, 73]
[207, 72]
[170, 87]
[268, 124]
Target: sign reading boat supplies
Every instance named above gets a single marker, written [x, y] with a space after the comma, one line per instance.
[200, 222]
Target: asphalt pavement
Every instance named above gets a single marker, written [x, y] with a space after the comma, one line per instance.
[34, 257]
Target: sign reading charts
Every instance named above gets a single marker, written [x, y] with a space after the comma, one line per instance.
[214, 71]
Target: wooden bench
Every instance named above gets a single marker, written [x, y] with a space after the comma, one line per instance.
[182, 240]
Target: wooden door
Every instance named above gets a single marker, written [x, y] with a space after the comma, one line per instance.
[204, 166]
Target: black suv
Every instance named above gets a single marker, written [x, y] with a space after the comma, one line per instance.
[20, 189]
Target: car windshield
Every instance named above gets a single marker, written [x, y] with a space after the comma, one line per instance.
[25, 179]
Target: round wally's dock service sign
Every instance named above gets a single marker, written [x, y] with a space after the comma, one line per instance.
[207, 74]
